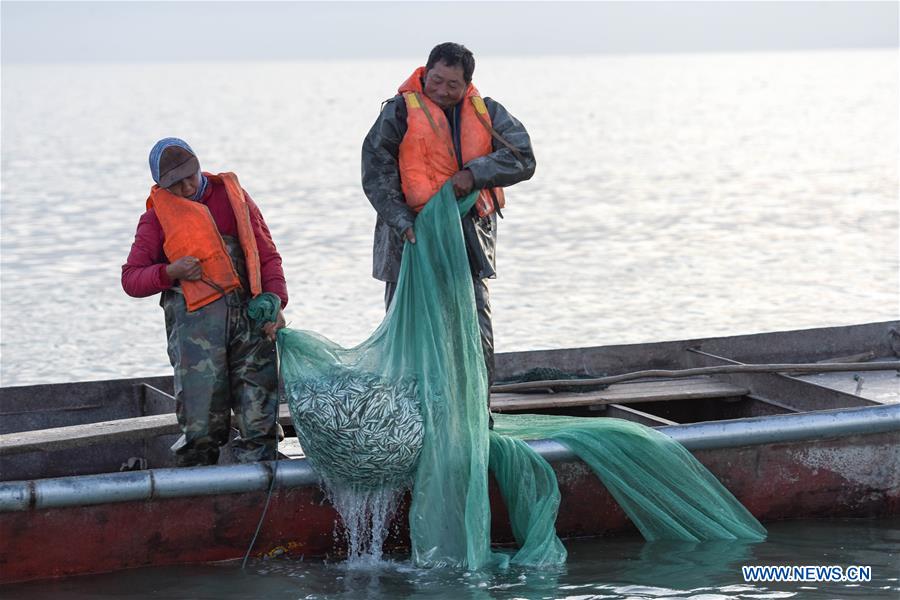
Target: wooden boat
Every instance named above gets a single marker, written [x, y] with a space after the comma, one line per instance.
[87, 484]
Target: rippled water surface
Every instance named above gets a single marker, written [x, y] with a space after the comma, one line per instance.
[614, 569]
[676, 196]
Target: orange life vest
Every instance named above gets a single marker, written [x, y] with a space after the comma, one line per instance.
[190, 230]
[427, 155]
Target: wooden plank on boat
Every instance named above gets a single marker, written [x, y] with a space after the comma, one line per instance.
[619, 411]
[74, 436]
[60, 438]
[290, 447]
[622, 393]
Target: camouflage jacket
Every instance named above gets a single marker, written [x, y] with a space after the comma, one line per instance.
[381, 184]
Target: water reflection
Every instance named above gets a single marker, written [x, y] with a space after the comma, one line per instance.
[608, 568]
[686, 566]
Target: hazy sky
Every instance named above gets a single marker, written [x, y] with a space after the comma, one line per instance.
[172, 31]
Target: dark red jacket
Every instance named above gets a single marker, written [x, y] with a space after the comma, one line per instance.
[144, 273]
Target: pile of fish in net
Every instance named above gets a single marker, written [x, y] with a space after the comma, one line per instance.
[358, 429]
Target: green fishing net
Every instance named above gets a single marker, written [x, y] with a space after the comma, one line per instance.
[666, 492]
[427, 361]
[407, 407]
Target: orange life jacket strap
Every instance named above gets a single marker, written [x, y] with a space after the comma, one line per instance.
[245, 231]
[434, 126]
[496, 134]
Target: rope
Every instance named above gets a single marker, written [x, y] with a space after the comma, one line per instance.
[262, 517]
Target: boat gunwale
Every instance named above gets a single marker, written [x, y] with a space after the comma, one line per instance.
[151, 484]
[512, 361]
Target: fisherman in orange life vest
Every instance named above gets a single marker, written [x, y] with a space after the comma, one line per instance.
[203, 244]
[439, 128]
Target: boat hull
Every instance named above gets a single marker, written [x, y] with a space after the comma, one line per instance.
[849, 476]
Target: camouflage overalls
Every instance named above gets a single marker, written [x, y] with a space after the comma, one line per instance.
[222, 362]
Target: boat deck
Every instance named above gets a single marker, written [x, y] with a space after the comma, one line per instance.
[880, 386]
[653, 402]
[633, 392]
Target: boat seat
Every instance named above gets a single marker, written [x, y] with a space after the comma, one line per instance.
[74, 436]
[687, 388]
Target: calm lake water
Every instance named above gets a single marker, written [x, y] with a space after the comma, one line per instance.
[676, 196]
[617, 569]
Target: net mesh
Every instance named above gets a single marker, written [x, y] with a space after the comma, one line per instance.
[666, 492]
[407, 407]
